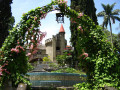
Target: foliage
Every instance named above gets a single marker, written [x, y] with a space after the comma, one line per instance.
[87, 7]
[46, 59]
[61, 59]
[116, 40]
[24, 34]
[94, 54]
[100, 63]
[109, 14]
[68, 70]
[66, 58]
[13, 57]
[5, 15]
[53, 65]
[93, 50]
[11, 23]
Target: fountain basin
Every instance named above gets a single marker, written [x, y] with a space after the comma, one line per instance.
[48, 79]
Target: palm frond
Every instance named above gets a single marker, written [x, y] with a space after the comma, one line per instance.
[104, 6]
[101, 14]
[115, 12]
[113, 19]
[116, 18]
[112, 6]
[108, 9]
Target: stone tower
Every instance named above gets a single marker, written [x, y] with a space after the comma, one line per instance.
[61, 40]
[56, 45]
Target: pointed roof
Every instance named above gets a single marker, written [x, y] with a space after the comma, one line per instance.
[61, 28]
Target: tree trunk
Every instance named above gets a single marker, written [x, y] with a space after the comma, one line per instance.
[111, 33]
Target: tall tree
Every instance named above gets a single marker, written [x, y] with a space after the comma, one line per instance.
[5, 14]
[109, 15]
[88, 8]
[85, 6]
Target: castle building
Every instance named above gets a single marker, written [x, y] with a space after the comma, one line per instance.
[53, 46]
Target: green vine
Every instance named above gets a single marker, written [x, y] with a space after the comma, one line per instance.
[94, 52]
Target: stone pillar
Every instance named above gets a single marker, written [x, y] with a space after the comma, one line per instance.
[54, 48]
[62, 42]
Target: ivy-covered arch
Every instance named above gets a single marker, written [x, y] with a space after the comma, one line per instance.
[93, 49]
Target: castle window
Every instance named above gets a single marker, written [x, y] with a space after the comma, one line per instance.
[57, 48]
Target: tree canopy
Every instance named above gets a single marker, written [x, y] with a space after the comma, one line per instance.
[5, 15]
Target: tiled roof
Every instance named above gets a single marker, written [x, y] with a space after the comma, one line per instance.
[61, 28]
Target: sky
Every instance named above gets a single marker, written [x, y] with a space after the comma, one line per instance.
[49, 24]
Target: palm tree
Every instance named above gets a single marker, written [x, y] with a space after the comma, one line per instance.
[109, 15]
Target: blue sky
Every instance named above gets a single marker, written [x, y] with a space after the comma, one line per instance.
[49, 24]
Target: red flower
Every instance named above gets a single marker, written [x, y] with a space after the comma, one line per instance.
[29, 54]
[80, 29]
[20, 47]
[85, 55]
[31, 46]
[18, 42]
[1, 68]
[14, 50]
[79, 15]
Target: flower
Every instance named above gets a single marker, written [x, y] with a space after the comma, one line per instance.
[29, 54]
[85, 55]
[80, 29]
[31, 46]
[79, 15]
[73, 21]
[20, 47]
[14, 50]
[18, 42]
[62, 1]
[1, 69]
